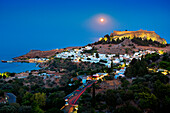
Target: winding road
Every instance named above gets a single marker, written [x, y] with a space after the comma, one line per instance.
[73, 100]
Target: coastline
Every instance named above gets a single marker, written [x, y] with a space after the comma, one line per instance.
[18, 67]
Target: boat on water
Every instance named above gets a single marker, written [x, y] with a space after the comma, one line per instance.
[3, 61]
[9, 61]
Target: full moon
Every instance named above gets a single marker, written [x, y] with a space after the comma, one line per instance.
[100, 23]
[102, 20]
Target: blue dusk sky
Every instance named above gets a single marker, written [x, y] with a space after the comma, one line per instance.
[51, 24]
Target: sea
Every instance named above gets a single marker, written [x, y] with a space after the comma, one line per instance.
[7, 53]
[17, 67]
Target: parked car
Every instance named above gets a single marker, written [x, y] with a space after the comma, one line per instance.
[66, 99]
[66, 104]
[77, 90]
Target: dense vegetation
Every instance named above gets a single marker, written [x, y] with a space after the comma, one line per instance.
[136, 68]
[107, 40]
[35, 97]
[165, 63]
[32, 94]
[74, 69]
[139, 67]
[148, 92]
[137, 40]
[145, 42]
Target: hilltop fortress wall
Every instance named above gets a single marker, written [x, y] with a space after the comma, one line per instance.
[144, 34]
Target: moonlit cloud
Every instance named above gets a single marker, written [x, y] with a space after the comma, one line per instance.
[100, 22]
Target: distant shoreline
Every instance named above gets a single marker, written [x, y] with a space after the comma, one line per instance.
[18, 67]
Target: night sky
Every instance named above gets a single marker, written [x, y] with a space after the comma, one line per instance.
[50, 24]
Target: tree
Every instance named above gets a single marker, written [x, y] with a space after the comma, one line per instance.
[1, 93]
[85, 103]
[39, 99]
[127, 109]
[147, 100]
[88, 90]
[55, 100]
[26, 100]
[128, 95]
[110, 98]
[161, 90]
[164, 64]
[88, 58]
[126, 50]
[165, 105]
[37, 109]
[108, 37]
[93, 96]
[16, 105]
[54, 110]
[25, 109]
[137, 68]
[99, 97]
[97, 55]
[8, 109]
[37, 57]
[125, 83]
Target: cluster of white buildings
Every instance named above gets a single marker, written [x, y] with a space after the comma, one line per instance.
[139, 54]
[77, 55]
[120, 72]
[136, 55]
[38, 59]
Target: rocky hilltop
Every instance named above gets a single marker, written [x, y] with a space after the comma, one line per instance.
[126, 47]
[37, 53]
[144, 34]
[41, 54]
[119, 42]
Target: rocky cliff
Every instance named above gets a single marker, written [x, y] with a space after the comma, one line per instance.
[37, 53]
[144, 34]
[42, 54]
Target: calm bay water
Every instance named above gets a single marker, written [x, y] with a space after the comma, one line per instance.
[17, 67]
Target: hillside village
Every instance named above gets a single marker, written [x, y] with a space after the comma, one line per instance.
[78, 56]
[107, 70]
[84, 56]
[108, 60]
